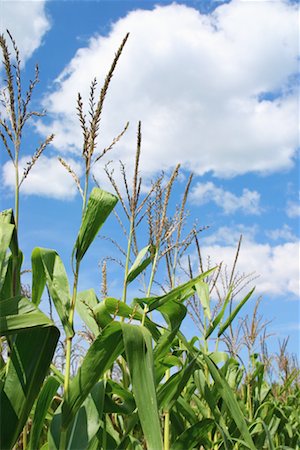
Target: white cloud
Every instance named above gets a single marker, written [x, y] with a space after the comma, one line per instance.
[196, 82]
[277, 266]
[27, 21]
[47, 178]
[230, 235]
[285, 233]
[248, 202]
[293, 209]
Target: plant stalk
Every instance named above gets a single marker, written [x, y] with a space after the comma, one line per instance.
[17, 181]
[167, 421]
[70, 338]
[124, 294]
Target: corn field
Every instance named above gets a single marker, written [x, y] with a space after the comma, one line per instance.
[139, 382]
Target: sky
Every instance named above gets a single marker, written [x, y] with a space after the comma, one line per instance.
[215, 85]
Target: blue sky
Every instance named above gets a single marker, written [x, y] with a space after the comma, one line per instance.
[215, 86]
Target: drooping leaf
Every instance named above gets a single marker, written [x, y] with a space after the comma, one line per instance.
[112, 307]
[85, 304]
[18, 314]
[99, 358]
[57, 282]
[137, 342]
[102, 316]
[99, 206]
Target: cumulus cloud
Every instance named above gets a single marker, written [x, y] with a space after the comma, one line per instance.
[214, 92]
[248, 202]
[47, 178]
[277, 266]
[285, 233]
[27, 21]
[293, 209]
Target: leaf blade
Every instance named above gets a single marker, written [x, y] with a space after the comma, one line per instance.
[99, 207]
[137, 342]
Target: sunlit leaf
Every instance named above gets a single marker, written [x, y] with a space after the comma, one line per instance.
[99, 207]
[138, 347]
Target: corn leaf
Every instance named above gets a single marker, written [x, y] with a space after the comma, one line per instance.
[194, 436]
[139, 264]
[7, 216]
[86, 302]
[58, 284]
[99, 358]
[180, 293]
[171, 389]
[230, 400]
[137, 342]
[234, 313]
[99, 206]
[30, 358]
[6, 231]
[44, 401]
[38, 276]
[18, 314]
[203, 294]
[84, 426]
[219, 317]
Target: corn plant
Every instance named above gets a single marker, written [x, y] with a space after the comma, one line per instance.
[141, 383]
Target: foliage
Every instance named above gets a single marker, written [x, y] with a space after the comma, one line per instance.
[141, 383]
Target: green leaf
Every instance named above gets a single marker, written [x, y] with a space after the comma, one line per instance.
[118, 399]
[230, 400]
[234, 313]
[102, 316]
[44, 401]
[219, 317]
[195, 436]
[171, 389]
[58, 284]
[6, 231]
[30, 358]
[18, 314]
[137, 341]
[174, 312]
[7, 216]
[86, 302]
[112, 306]
[268, 436]
[99, 358]
[203, 294]
[11, 276]
[218, 357]
[139, 264]
[100, 205]
[84, 426]
[38, 276]
[180, 293]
